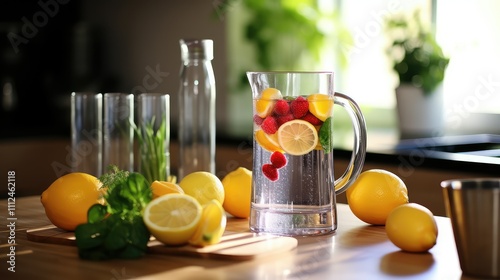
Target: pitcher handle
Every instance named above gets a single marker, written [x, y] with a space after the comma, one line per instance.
[359, 148]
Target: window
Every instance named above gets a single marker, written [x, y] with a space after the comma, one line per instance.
[468, 32]
[368, 77]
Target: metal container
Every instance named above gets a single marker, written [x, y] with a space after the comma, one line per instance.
[473, 206]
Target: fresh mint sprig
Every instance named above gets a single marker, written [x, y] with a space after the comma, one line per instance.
[116, 229]
[326, 135]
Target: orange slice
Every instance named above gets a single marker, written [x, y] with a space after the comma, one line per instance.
[268, 141]
[265, 103]
[320, 105]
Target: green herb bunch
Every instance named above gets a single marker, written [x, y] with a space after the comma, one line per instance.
[154, 161]
[116, 229]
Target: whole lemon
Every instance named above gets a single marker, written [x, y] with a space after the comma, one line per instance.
[68, 198]
[412, 227]
[204, 186]
[374, 194]
[238, 189]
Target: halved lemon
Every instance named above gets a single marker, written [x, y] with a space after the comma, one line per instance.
[212, 225]
[297, 137]
[320, 105]
[161, 188]
[173, 218]
[268, 141]
[265, 104]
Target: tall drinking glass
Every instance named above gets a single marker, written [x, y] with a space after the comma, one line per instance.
[293, 183]
[117, 130]
[153, 135]
[86, 133]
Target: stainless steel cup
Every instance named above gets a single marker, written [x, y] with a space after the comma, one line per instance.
[473, 206]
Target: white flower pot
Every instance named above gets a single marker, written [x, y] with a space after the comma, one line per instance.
[419, 115]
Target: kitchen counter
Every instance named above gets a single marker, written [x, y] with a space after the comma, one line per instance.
[355, 251]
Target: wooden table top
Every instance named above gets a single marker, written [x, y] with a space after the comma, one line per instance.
[355, 251]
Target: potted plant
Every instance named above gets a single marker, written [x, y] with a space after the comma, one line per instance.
[420, 65]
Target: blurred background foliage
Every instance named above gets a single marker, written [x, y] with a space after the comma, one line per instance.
[290, 35]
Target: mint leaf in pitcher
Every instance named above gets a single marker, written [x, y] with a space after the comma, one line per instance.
[326, 135]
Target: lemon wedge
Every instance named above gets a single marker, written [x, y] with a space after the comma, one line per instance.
[212, 225]
[160, 188]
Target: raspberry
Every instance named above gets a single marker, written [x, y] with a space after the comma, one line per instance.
[257, 120]
[269, 125]
[283, 119]
[278, 159]
[270, 171]
[281, 107]
[312, 119]
[299, 107]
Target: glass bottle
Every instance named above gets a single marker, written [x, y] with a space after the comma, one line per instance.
[196, 108]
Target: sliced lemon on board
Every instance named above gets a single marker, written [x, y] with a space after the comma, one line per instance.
[161, 188]
[267, 141]
[297, 137]
[173, 218]
[265, 104]
[320, 105]
[212, 225]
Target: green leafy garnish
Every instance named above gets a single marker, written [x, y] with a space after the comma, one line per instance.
[326, 135]
[154, 160]
[116, 229]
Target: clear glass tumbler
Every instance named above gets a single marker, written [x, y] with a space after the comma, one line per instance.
[118, 134]
[153, 135]
[86, 133]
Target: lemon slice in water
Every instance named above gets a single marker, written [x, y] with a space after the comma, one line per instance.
[297, 137]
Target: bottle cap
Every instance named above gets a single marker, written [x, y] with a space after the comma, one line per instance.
[197, 49]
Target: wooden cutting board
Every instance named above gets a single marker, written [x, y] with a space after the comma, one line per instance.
[233, 246]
